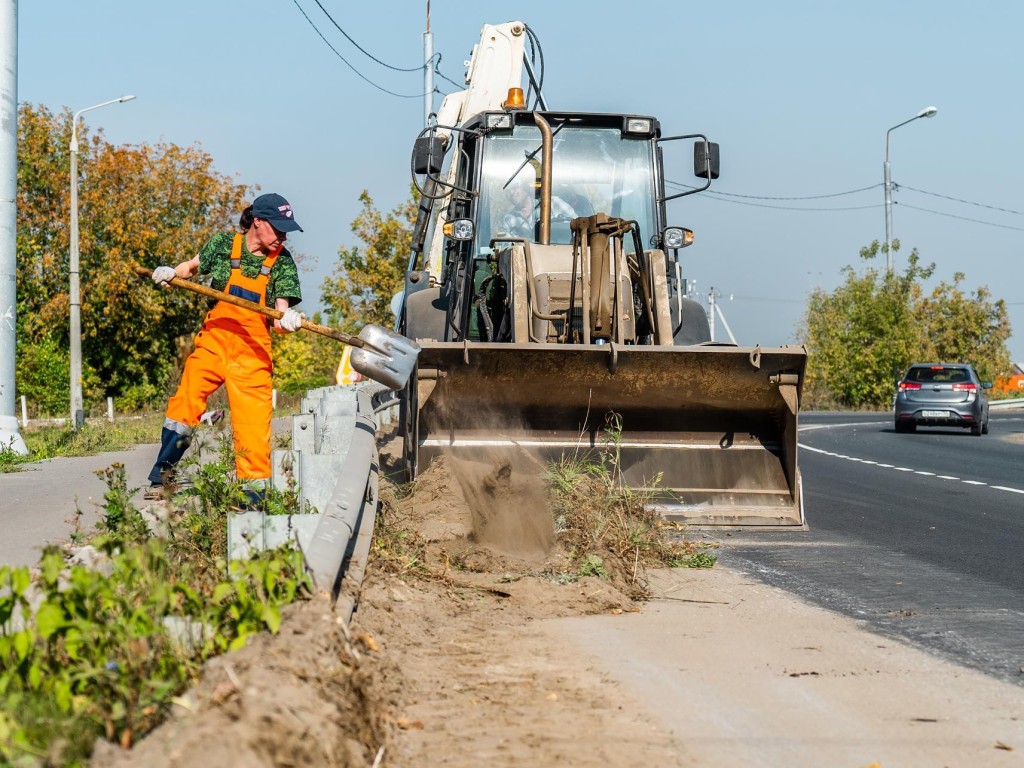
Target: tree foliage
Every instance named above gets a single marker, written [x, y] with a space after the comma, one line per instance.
[361, 287]
[138, 204]
[863, 334]
[304, 360]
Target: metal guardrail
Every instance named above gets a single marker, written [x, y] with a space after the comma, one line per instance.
[334, 467]
[1001, 405]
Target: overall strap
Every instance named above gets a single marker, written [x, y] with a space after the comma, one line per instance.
[236, 252]
[268, 263]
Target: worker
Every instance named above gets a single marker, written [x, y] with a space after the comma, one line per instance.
[233, 345]
[521, 218]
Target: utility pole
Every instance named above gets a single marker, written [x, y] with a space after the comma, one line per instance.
[715, 308]
[9, 437]
[428, 71]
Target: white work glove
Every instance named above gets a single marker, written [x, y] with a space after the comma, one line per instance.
[163, 275]
[291, 320]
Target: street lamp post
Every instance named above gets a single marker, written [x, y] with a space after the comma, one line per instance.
[926, 112]
[77, 414]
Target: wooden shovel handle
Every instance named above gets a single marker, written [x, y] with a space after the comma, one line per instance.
[188, 285]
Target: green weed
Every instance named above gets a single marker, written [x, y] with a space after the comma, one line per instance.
[99, 653]
[608, 529]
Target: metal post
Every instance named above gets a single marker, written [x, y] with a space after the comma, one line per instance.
[77, 412]
[10, 439]
[711, 311]
[428, 71]
[888, 211]
[926, 112]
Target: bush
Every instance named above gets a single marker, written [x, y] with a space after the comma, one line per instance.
[90, 653]
[42, 373]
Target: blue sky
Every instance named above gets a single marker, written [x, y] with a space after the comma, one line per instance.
[798, 94]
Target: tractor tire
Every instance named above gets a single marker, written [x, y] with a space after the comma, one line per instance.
[694, 327]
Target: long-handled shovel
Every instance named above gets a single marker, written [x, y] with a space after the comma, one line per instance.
[380, 354]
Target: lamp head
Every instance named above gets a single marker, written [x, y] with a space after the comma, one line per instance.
[129, 97]
[928, 112]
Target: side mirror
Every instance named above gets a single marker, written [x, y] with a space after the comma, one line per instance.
[427, 155]
[705, 160]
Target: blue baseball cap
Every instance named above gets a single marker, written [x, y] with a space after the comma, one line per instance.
[276, 211]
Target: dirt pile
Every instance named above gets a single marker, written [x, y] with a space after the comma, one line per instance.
[447, 661]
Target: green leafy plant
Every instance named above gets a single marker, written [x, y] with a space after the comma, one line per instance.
[100, 652]
[609, 529]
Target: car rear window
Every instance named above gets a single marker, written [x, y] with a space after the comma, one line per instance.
[938, 373]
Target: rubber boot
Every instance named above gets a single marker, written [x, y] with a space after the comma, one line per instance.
[172, 448]
[256, 500]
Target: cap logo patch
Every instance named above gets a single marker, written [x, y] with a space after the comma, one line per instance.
[286, 210]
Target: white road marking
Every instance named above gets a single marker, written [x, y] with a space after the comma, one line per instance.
[909, 469]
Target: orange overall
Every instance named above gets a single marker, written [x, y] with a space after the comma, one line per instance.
[233, 349]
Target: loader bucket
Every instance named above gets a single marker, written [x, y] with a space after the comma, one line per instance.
[710, 431]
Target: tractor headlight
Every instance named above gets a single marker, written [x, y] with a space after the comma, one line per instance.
[459, 229]
[638, 126]
[677, 237]
[497, 120]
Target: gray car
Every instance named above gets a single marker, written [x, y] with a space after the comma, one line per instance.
[941, 395]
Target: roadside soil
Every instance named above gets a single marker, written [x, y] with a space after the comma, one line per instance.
[463, 652]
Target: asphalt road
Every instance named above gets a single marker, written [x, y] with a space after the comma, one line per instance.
[39, 505]
[920, 535]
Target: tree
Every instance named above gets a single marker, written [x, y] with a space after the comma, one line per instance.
[304, 360]
[360, 289]
[877, 323]
[144, 204]
[966, 327]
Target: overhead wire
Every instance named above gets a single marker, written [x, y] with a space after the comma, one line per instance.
[962, 218]
[724, 197]
[958, 200]
[360, 48]
[352, 67]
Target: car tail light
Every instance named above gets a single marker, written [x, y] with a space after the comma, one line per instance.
[905, 385]
[968, 387]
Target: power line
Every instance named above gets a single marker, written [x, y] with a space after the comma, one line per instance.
[437, 71]
[958, 200]
[721, 195]
[807, 197]
[363, 50]
[350, 66]
[962, 218]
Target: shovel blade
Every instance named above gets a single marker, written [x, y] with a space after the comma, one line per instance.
[388, 357]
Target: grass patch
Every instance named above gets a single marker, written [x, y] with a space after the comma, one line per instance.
[52, 442]
[610, 530]
[397, 548]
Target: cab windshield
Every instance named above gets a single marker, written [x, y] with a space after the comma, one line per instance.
[593, 170]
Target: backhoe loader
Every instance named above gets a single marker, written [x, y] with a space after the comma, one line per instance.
[546, 290]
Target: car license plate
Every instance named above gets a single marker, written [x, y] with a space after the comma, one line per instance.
[935, 414]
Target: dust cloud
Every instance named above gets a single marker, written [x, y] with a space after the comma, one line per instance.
[507, 501]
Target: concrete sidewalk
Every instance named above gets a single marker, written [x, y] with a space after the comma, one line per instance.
[38, 504]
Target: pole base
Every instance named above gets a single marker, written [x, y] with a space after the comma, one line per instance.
[10, 439]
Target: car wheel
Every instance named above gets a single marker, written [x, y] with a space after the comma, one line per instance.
[905, 426]
[976, 430]
[984, 427]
